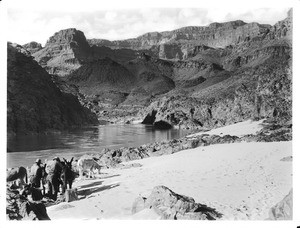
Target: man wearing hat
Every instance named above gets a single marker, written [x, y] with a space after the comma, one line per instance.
[54, 169]
[36, 173]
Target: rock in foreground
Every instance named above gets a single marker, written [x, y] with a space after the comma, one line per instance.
[284, 209]
[18, 207]
[170, 205]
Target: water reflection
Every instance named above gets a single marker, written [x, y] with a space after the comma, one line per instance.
[25, 149]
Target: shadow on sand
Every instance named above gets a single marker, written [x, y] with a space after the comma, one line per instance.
[83, 193]
[106, 177]
[93, 184]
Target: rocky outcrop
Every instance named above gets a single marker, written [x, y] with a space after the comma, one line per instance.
[177, 111]
[18, 207]
[284, 209]
[150, 118]
[32, 47]
[34, 103]
[170, 205]
[170, 51]
[272, 132]
[68, 49]
[20, 49]
[282, 28]
[114, 157]
[63, 52]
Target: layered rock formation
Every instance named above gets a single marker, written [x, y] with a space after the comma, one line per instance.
[193, 77]
[68, 49]
[214, 35]
[63, 52]
[252, 79]
[170, 205]
[34, 103]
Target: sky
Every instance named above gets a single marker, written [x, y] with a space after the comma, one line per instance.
[37, 22]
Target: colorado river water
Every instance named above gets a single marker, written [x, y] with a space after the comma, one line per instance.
[24, 150]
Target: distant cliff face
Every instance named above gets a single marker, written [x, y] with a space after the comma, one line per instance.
[34, 103]
[173, 44]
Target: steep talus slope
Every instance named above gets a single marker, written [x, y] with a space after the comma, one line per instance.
[34, 103]
[103, 82]
[107, 83]
[102, 73]
[153, 75]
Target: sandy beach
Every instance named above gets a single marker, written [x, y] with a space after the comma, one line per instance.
[240, 180]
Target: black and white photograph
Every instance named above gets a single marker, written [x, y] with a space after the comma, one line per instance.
[132, 112]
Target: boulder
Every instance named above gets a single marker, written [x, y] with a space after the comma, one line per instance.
[284, 209]
[18, 207]
[71, 195]
[170, 205]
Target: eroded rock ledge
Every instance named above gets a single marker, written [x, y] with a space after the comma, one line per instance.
[170, 205]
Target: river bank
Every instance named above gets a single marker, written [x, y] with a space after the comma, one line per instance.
[208, 166]
[258, 174]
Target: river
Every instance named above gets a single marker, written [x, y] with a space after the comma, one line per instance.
[24, 150]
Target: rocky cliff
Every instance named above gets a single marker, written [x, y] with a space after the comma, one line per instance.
[68, 49]
[173, 44]
[34, 103]
[252, 79]
[193, 77]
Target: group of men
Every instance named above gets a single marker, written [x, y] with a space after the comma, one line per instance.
[49, 174]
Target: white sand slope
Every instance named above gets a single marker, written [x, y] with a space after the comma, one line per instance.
[238, 129]
[241, 180]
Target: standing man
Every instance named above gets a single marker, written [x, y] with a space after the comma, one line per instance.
[54, 169]
[36, 173]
